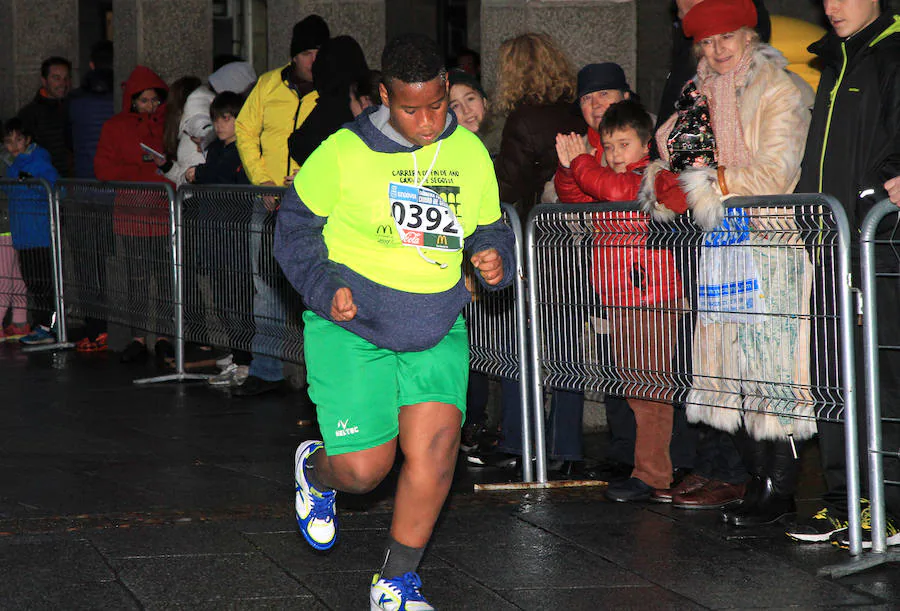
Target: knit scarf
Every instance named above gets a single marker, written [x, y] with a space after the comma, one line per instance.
[722, 92]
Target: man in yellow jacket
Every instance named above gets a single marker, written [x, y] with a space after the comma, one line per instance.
[275, 108]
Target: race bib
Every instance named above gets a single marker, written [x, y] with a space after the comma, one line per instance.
[423, 219]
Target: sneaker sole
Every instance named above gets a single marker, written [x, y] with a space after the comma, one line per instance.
[812, 538]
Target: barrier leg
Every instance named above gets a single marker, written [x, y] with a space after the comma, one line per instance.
[176, 228]
[59, 317]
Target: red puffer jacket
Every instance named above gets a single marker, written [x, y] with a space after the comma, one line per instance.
[625, 271]
[120, 157]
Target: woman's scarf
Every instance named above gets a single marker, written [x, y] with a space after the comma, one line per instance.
[722, 92]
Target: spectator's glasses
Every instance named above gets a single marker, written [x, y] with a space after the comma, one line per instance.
[155, 101]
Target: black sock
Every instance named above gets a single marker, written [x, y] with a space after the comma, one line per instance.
[309, 470]
[400, 559]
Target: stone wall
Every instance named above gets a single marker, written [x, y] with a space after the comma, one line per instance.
[145, 33]
[31, 31]
[362, 19]
[588, 30]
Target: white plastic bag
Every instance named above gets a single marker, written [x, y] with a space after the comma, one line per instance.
[728, 285]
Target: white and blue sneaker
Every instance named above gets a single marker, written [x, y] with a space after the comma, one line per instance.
[39, 336]
[315, 510]
[398, 594]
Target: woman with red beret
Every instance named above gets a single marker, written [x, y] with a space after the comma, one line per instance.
[740, 129]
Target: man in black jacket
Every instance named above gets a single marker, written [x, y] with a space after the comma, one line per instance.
[852, 150]
[47, 115]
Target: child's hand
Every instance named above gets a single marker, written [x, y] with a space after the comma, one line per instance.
[190, 173]
[489, 264]
[342, 306]
[562, 151]
[575, 146]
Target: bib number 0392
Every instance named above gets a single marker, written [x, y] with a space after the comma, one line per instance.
[425, 218]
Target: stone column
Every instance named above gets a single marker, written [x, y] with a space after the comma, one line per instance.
[588, 30]
[364, 20]
[171, 37]
[31, 31]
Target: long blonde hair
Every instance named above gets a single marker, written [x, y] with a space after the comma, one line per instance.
[534, 70]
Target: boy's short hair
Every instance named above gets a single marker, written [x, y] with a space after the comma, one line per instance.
[54, 61]
[16, 125]
[627, 114]
[226, 103]
[412, 58]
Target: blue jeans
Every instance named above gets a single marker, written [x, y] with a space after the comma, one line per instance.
[269, 309]
[564, 426]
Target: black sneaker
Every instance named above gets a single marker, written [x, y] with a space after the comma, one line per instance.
[254, 386]
[135, 352]
[630, 491]
[495, 459]
[818, 528]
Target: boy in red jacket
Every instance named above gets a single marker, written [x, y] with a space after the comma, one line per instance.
[639, 287]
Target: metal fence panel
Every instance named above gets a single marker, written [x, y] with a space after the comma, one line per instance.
[745, 318]
[880, 261]
[118, 248]
[29, 263]
[498, 342]
[236, 295]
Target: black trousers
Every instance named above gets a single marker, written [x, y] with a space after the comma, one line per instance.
[37, 272]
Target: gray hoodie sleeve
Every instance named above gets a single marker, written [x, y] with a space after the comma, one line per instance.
[300, 250]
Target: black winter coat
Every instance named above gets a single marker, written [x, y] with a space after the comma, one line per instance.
[48, 120]
[89, 108]
[527, 158]
[223, 166]
[854, 138]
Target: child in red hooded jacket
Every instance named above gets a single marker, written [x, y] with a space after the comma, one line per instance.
[130, 150]
[639, 286]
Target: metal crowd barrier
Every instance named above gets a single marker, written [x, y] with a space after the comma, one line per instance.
[750, 324]
[880, 264]
[126, 259]
[236, 295]
[498, 338]
[29, 257]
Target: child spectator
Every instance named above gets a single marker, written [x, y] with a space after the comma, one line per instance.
[639, 286]
[12, 288]
[219, 241]
[223, 162]
[29, 223]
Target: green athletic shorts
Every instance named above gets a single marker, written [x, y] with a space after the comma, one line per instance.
[358, 388]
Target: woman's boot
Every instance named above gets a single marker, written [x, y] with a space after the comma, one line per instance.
[775, 500]
[756, 455]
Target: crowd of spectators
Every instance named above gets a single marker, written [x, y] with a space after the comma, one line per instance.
[732, 121]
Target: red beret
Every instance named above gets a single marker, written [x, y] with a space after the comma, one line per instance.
[712, 17]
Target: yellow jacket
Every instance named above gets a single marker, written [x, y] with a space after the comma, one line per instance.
[271, 113]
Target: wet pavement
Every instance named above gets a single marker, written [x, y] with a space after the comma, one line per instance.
[179, 497]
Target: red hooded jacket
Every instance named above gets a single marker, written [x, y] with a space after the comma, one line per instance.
[120, 157]
[625, 272]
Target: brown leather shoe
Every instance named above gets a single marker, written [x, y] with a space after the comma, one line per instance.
[713, 495]
[690, 483]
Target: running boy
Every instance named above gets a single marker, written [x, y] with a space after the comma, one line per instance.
[371, 236]
[639, 287]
